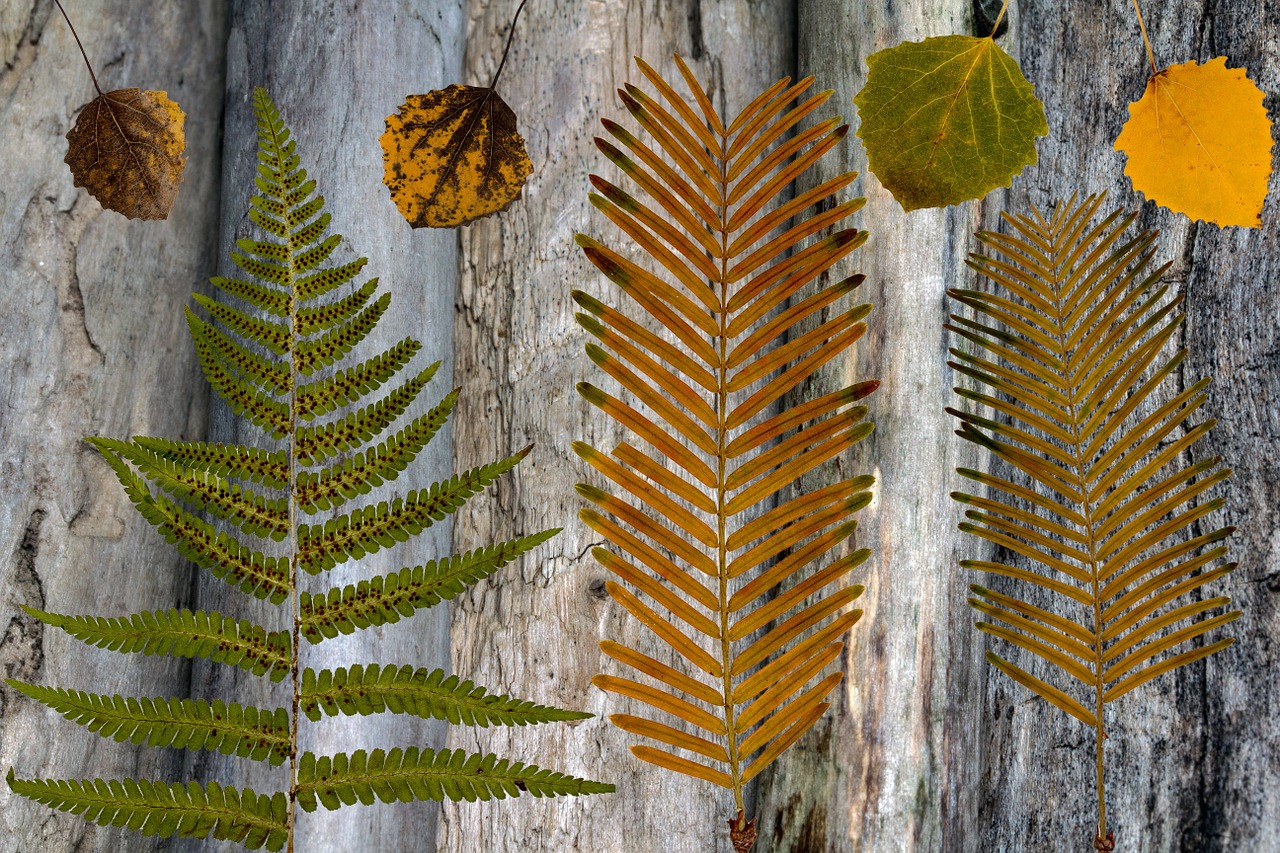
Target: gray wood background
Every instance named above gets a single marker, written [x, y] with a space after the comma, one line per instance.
[926, 748]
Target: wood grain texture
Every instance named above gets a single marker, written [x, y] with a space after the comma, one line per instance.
[335, 71]
[890, 768]
[1192, 756]
[92, 342]
[533, 629]
[1194, 764]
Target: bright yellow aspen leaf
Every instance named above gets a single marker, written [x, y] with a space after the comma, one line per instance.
[1199, 142]
[452, 156]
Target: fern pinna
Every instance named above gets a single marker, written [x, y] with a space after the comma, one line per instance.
[271, 368]
[1106, 519]
[705, 537]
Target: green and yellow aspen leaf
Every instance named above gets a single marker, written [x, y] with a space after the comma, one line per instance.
[947, 119]
[1199, 142]
[452, 156]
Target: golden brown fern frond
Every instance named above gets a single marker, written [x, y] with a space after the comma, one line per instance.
[1102, 512]
[715, 333]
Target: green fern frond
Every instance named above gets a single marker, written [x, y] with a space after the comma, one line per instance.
[167, 809]
[197, 540]
[225, 557]
[359, 474]
[327, 280]
[274, 302]
[405, 775]
[242, 398]
[249, 366]
[182, 633]
[388, 598]
[269, 468]
[319, 318]
[245, 731]
[368, 530]
[374, 689]
[256, 515]
[251, 358]
[334, 344]
[348, 386]
[273, 336]
[316, 444]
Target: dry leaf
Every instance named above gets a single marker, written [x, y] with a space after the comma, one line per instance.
[126, 150]
[1199, 142]
[452, 156]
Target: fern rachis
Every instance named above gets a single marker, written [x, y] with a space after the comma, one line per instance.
[717, 335]
[1105, 519]
[272, 366]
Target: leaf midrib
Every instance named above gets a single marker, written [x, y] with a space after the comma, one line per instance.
[1087, 507]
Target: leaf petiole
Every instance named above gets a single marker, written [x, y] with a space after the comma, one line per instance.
[76, 36]
[1151, 57]
[995, 28]
[511, 35]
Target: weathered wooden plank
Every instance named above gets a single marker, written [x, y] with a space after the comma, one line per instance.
[336, 71]
[1192, 756]
[92, 342]
[534, 629]
[933, 750]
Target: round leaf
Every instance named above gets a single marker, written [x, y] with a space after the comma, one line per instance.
[1199, 142]
[452, 156]
[126, 150]
[947, 119]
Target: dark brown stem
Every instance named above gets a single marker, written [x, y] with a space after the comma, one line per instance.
[76, 36]
[506, 49]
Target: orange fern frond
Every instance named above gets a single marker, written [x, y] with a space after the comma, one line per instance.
[735, 310]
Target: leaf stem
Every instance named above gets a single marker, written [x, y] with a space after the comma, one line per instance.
[76, 36]
[1088, 508]
[1151, 57]
[722, 416]
[494, 82]
[741, 831]
[291, 491]
[1000, 17]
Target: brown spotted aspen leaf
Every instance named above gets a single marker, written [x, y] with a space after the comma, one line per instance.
[126, 149]
[454, 155]
[1199, 142]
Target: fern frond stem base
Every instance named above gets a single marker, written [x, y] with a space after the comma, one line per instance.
[742, 832]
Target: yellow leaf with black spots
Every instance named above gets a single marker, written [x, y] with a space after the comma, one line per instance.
[452, 156]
